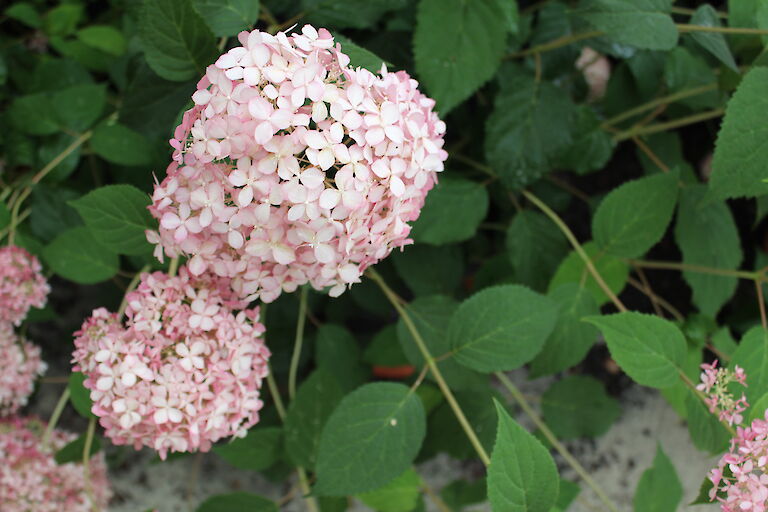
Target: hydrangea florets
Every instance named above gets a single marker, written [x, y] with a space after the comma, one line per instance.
[21, 365]
[294, 167]
[740, 480]
[183, 372]
[30, 478]
[715, 384]
[22, 284]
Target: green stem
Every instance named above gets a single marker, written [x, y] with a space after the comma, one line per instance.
[87, 462]
[684, 27]
[55, 416]
[310, 501]
[684, 267]
[275, 392]
[554, 217]
[689, 12]
[173, 266]
[446, 390]
[298, 342]
[556, 43]
[131, 286]
[669, 125]
[562, 450]
[671, 98]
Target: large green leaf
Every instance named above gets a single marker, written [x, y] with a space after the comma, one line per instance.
[431, 316]
[536, 246]
[257, 451]
[571, 338]
[648, 348]
[119, 144]
[522, 476]
[237, 501]
[578, 406]
[429, 270]
[707, 235]
[738, 166]
[752, 356]
[78, 107]
[399, 495]
[713, 42]
[33, 114]
[79, 395]
[573, 270]
[633, 217]
[501, 328]
[117, 217]
[371, 437]
[348, 13]
[105, 38]
[359, 56]
[178, 44]
[73, 451]
[315, 400]
[76, 255]
[707, 433]
[529, 127]
[465, 202]
[659, 489]
[227, 17]
[337, 352]
[641, 23]
[464, 53]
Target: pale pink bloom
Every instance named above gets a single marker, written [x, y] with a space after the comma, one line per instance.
[22, 284]
[31, 480]
[285, 136]
[21, 366]
[720, 399]
[596, 69]
[175, 367]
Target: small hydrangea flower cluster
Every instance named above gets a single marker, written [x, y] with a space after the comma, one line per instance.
[740, 482]
[31, 480]
[21, 365]
[183, 372]
[293, 167]
[22, 286]
[714, 383]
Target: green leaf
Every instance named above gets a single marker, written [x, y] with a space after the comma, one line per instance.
[429, 270]
[79, 395]
[592, 146]
[648, 348]
[571, 338]
[73, 451]
[707, 433]
[227, 17]
[117, 217]
[752, 356]
[76, 255]
[522, 152]
[371, 437]
[431, 316]
[50, 212]
[359, 56]
[464, 201]
[640, 23]
[5, 216]
[578, 406]
[460, 493]
[633, 217]
[236, 502]
[33, 114]
[536, 246]
[121, 145]
[573, 270]
[80, 106]
[105, 38]
[501, 328]
[713, 42]
[257, 451]
[315, 400]
[659, 489]
[62, 20]
[522, 476]
[52, 147]
[456, 60]
[568, 493]
[447, 435]
[177, 43]
[25, 13]
[337, 352]
[399, 495]
[757, 409]
[384, 349]
[740, 151]
[707, 235]
[683, 71]
[348, 13]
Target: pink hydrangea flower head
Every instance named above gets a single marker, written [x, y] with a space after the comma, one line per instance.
[740, 480]
[182, 372]
[715, 383]
[22, 284]
[31, 480]
[21, 365]
[294, 168]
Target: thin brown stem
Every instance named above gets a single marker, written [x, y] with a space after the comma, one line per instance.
[660, 300]
[568, 188]
[298, 342]
[646, 285]
[684, 27]
[669, 125]
[556, 43]
[664, 100]
[650, 154]
[684, 267]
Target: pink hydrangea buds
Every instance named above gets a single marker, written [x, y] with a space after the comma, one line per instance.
[295, 168]
[21, 365]
[31, 480]
[22, 284]
[714, 384]
[183, 372]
